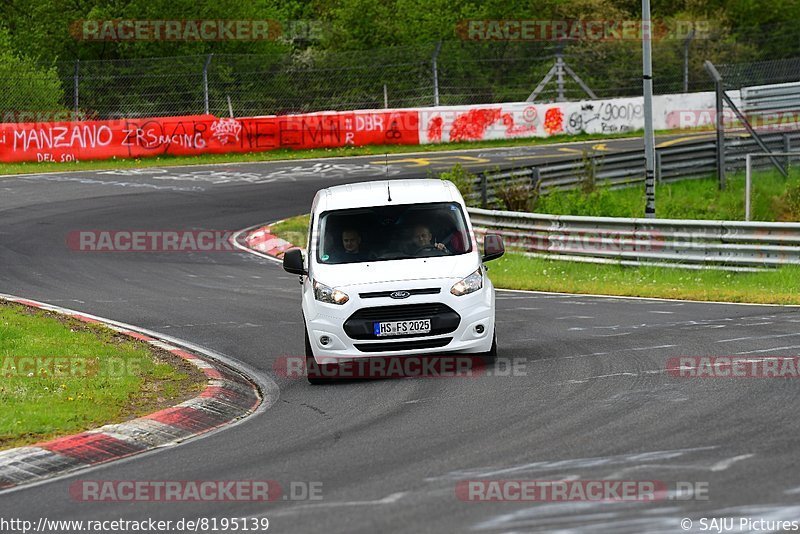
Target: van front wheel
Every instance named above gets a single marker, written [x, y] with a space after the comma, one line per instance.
[490, 357]
[317, 373]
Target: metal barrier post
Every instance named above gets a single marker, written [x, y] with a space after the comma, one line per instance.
[658, 167]
[748, 177]
[536, 176]
[787, 147]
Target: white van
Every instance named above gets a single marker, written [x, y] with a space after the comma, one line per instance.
[393, 269]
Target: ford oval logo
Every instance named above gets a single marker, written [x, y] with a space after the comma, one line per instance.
[400, 295]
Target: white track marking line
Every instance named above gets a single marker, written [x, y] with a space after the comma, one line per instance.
[654, 299]
[389, 499]
[768, 350]
[757, 337]
[722, 465]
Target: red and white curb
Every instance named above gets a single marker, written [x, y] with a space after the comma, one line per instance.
[228, 397]
[260, 240]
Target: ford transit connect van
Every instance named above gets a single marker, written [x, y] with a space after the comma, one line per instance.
[393, 269]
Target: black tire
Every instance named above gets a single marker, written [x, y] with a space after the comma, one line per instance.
[317, 374]
[490, 357]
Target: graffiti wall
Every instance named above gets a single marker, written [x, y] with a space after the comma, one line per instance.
[506, 121]
[202, 134]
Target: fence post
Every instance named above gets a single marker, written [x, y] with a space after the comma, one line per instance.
[686, 43]
[720, 136]
[484, 198]
[385, 97]
[205, 82]
[436, 73]
[720, 122]
[75, 86]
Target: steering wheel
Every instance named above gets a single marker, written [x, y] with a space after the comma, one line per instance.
[428, 248]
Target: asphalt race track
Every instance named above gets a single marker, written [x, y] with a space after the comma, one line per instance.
[593, 401]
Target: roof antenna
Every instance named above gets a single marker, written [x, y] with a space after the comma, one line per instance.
[386, 166]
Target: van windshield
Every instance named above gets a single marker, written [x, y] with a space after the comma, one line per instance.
[392, 233]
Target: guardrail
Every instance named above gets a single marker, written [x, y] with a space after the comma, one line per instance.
[729, 245]
[623, 169]
[776, 98]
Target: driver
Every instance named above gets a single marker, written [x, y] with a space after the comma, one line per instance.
[422, 238]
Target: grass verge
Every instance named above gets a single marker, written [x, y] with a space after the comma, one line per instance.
[61, 376]
[516, 271]
[287, 154]
[294, 230]
[686, 199]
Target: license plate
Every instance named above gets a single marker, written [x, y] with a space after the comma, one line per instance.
[401, 328]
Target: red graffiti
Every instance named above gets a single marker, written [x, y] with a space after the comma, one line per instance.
[435, 130]
[553, 121]
[511, 129]
[202, 134]
[472, 125]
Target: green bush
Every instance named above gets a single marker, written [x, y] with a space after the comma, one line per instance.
[517, 194]
[463, 180]
[25, 86]
[599, 202]
[790, 202]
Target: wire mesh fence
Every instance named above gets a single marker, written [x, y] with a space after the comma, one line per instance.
[738, 75]
[449, 73]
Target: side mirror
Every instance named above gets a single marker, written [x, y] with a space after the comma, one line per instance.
[493, 247]
[293, 262]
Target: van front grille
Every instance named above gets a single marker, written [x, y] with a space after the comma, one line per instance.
[403, 345]
[386, 294]
[361, 325]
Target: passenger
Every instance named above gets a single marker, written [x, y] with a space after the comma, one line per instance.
[351, 243]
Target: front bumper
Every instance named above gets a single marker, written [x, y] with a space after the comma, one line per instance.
[328, 320]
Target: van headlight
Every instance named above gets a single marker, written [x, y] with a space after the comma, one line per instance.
[327, 294]
[468, 285]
